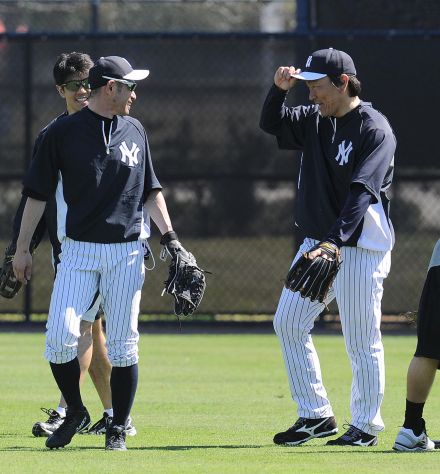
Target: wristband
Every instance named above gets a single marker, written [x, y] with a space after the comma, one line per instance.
[168, 237]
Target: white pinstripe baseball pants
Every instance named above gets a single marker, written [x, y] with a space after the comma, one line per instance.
[358, 289]
[117, 272]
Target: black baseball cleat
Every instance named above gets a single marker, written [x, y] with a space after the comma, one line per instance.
[306, 429]
[354, 437]
[76, 421]
[100, 427]
[115, 438]
[46, 428]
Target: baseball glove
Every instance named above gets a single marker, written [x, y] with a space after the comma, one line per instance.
[9, 285]
[313, 278]
[186, 280]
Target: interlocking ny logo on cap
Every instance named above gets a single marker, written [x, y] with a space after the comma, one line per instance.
[309, 61]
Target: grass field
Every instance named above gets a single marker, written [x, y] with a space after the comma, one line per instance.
[205, 404]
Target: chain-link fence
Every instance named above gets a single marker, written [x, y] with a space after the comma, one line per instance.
[230, 191]
[139, 16]
[157, 16]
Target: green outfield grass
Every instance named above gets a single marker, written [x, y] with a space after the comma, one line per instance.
[205, 404]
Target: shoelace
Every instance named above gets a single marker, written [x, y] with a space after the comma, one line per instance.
[117, 437]
[352, 432]
[53, 415]
[102, 423]
[298, 423]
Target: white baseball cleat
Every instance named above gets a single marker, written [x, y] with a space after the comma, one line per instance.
[407, 441]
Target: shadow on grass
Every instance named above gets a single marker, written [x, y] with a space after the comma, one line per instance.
[287, 450]
[332, 450]
[136, 448]
[208, 446]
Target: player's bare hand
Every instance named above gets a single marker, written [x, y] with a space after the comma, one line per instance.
[315, 253]
[22, 265]
[325, 250]
[283, 77]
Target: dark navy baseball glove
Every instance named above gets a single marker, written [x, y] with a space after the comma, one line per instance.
[186, 280]
[313, 278]
[9, 285]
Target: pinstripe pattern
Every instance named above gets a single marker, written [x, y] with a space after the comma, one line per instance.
[117, 272]
[90, 314]
[358, 290]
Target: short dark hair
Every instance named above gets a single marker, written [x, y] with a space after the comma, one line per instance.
[354, 85]
[68, 64]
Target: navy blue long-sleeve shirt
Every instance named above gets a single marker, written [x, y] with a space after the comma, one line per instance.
[346, 168]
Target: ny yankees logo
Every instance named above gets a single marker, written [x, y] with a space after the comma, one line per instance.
[131, 155]
[342, 156]
[309, 60]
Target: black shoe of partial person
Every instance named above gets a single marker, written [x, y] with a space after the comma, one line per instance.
[306, 429]
[100, 427]
[354, 437]
[46, 428]
[115, 438]
[75, 422]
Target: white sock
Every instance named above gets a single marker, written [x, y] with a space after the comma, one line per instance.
[109, 412]
[61, 411]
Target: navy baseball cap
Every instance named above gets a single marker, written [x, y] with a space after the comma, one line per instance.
[327, 62]
[114, 67]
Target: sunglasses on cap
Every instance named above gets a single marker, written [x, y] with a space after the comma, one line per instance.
[75, 85]
[131, 85]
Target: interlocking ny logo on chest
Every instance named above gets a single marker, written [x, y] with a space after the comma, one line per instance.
[129, 156]
[343, 153]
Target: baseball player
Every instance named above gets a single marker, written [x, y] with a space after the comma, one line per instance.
[412, 436]
[106, 191]
[70, 73]
[346, 168]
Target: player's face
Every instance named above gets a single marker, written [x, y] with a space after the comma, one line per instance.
[124, 99]
[327, 96]
[76, 92]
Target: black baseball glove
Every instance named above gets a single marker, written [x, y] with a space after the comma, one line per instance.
[313, 278]
[186, 280]
[9, 285]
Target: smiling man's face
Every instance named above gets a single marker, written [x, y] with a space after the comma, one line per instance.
[327, 96]
[76, 92]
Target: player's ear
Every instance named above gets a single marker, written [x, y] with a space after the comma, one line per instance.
[343, 82]
[60, 90]
[110, 86]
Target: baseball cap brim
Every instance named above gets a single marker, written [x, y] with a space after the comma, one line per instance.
[309, 76]
[137, 75]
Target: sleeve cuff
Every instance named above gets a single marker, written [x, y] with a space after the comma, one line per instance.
[33, 194]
